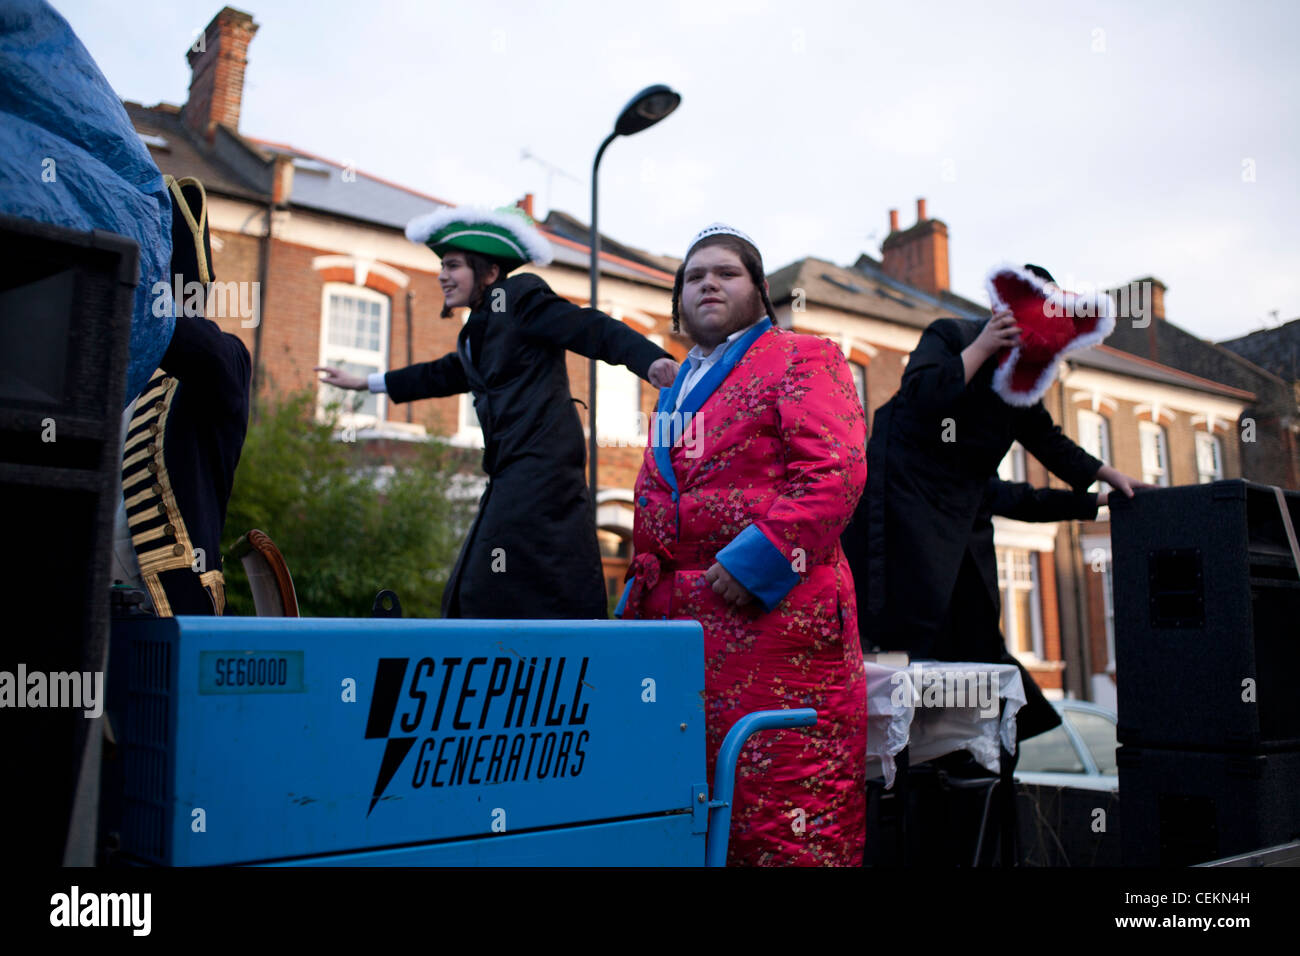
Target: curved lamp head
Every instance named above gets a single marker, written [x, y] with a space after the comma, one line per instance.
[645, 109]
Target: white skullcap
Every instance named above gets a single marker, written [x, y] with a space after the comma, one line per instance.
[718, 229]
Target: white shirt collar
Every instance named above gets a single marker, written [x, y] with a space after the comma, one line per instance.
[696, 357]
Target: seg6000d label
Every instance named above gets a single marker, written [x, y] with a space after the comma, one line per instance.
[251, 672]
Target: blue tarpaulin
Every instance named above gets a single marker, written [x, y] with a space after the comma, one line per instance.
[70, 157]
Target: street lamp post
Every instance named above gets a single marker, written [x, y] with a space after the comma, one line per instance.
[642, 111]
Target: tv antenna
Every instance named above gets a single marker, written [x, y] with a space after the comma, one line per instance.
[551, 172]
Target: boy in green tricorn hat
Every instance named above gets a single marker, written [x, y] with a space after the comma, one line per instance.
[532, 550]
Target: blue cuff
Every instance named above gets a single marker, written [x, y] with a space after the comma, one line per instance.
[757, 564]
[622, 602]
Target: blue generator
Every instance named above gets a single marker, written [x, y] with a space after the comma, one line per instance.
[307, 742]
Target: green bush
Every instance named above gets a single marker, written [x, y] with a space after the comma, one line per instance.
[346, 527]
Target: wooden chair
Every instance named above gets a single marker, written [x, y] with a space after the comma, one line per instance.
[268, 575]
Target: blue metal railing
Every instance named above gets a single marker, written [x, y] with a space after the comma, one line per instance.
[724, 773]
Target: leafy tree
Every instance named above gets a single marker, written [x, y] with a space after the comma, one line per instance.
[347, 525]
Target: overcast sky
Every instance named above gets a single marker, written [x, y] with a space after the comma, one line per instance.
[1106, 141]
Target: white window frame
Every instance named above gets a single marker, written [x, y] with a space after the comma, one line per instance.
[330, 354]
[1153, 441]
[1036, 654]
[618, 406]
[469, 431]
[1095, 425]
[1012, 465]
[859, 373]
[1208, 440]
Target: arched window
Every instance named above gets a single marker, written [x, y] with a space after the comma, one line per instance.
[354, 337]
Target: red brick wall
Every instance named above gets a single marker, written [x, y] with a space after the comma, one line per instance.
[884, 375]
[236, 261]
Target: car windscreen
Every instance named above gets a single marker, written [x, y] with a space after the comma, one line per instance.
[1099, 735]
[1051, 752]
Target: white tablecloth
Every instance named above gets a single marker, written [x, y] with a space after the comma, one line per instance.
[937, 707]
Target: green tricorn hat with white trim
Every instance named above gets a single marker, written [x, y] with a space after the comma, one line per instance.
[508, 235]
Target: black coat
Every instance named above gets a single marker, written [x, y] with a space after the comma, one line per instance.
[532, 551]
[974, 626]
[934, 446]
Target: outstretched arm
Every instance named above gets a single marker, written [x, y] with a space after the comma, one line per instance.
[1023, 502]
[436, 379]
[544, 315]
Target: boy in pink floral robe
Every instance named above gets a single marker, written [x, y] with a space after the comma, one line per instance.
[753, 470]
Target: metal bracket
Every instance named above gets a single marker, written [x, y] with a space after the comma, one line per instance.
[700, 808]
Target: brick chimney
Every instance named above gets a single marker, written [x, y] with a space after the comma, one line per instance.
[1142, 302]
[917, 256]
[217, 62]
[281, 179]
[526, 204]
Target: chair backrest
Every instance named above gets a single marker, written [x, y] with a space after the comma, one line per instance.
[268, 575]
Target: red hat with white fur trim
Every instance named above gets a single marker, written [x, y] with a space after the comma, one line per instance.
[1052, 324]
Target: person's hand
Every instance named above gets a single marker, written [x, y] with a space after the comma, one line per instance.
[727, 587]
[1121, 481]
[999, 332]
[341, 379]
[663, 372]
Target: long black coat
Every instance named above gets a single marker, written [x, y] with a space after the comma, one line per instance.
[532, 551]
[934, 446]
[974, 626]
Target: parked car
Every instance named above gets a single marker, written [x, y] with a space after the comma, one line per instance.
[1080, 753]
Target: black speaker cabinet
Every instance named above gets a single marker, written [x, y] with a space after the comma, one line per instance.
[1207, 618]
[1183, 807]
[66, 301]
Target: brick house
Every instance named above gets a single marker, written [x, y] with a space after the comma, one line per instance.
[1140, 416]
[319, 252]
[1267, 434]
